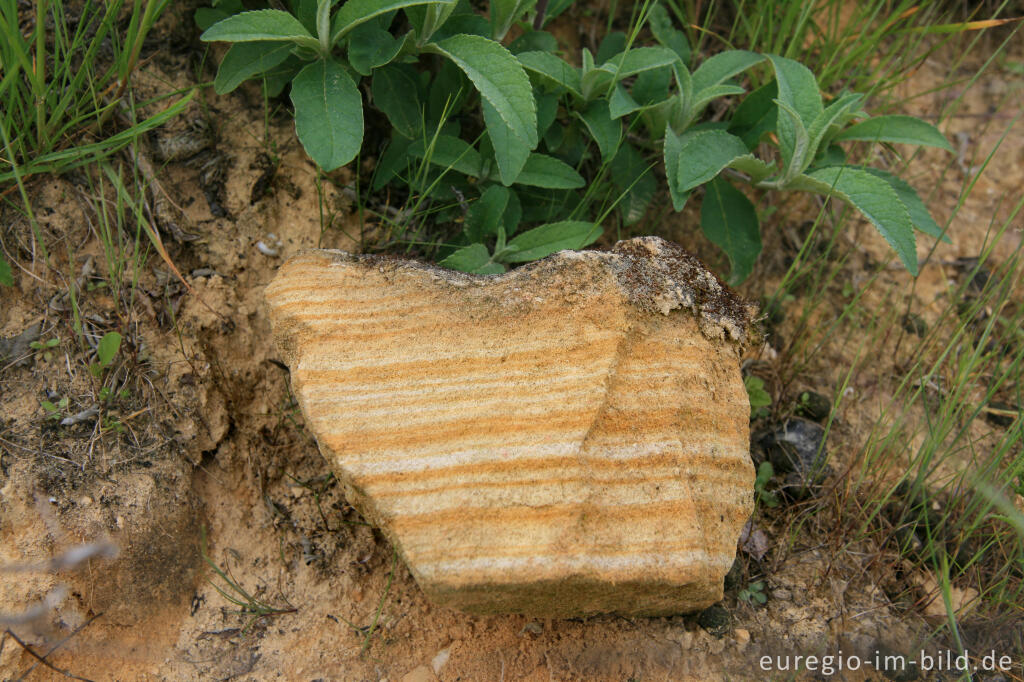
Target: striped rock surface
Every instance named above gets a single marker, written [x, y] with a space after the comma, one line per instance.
[564, 439]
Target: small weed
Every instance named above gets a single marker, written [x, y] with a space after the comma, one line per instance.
[764, 474]
[233, 591]
[105, 352]
[753, 593]
[46, 347]
[55, 411]
[760, 400]
[367, 631]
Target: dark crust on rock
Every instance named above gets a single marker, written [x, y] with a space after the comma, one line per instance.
[656, 275]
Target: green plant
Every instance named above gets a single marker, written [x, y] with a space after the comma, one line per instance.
[765, 471]
[492, 137]
[55, 411]
[46, 347]
[759, 398]
[6, 276]
[105, 352]
[236, 594]
[753, 593]
[66, 77]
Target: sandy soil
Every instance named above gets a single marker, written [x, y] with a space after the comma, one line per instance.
[211, 442]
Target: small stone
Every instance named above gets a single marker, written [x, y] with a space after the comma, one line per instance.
[742, 636]
[814, 406]
[793, 448]
[420, 673]
[533, 628]
[440, 660]
[85, 501]
[782, 594]
[565, 439]
[715, 619]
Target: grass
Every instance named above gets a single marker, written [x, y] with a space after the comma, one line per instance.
[66, 77]
[924, 507]
[249, 606]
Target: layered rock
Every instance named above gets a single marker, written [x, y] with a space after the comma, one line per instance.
[564, 439]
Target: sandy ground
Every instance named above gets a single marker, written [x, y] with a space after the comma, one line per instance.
[211, 442]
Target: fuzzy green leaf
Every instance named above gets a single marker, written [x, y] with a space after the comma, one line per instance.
[673, 147]
[6, 276]
[510, 152]
[756, 115]
[640, 59]
[468, 259]
[903, 129]
[108, 347]
[355, 12]
[328, 113]
[505, 12]
[664, 33]
[264, 24]
[484, 216]
[703, 154]
[395, 92]
[918, 211]
[729, 220]
[448, 151]
[500, 79]
[541, 170]
[875, 198]
[722, 67]
[553, 237]
[605, 130]
[245, 60]
[553, 69]
[621, 102]
[800, 104]
[371, 47]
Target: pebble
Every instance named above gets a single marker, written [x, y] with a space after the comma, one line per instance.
[715, 620]
[420, 673]
[792, 448]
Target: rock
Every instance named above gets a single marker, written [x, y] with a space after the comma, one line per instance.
[793, 449]
[568, 438]
[17, 349]
[420, 673]
[715, 619]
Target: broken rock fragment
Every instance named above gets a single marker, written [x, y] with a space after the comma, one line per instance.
[568, 438]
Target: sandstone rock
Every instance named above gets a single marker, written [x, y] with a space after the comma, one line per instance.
[567, 438]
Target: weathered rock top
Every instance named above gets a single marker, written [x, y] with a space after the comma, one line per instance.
[567, 438]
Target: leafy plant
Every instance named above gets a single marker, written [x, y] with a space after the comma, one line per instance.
[754, 592]
[105, 352]
[55, 411]
[759, 398]
[491, 136]
[46, 347]
[764, 474]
